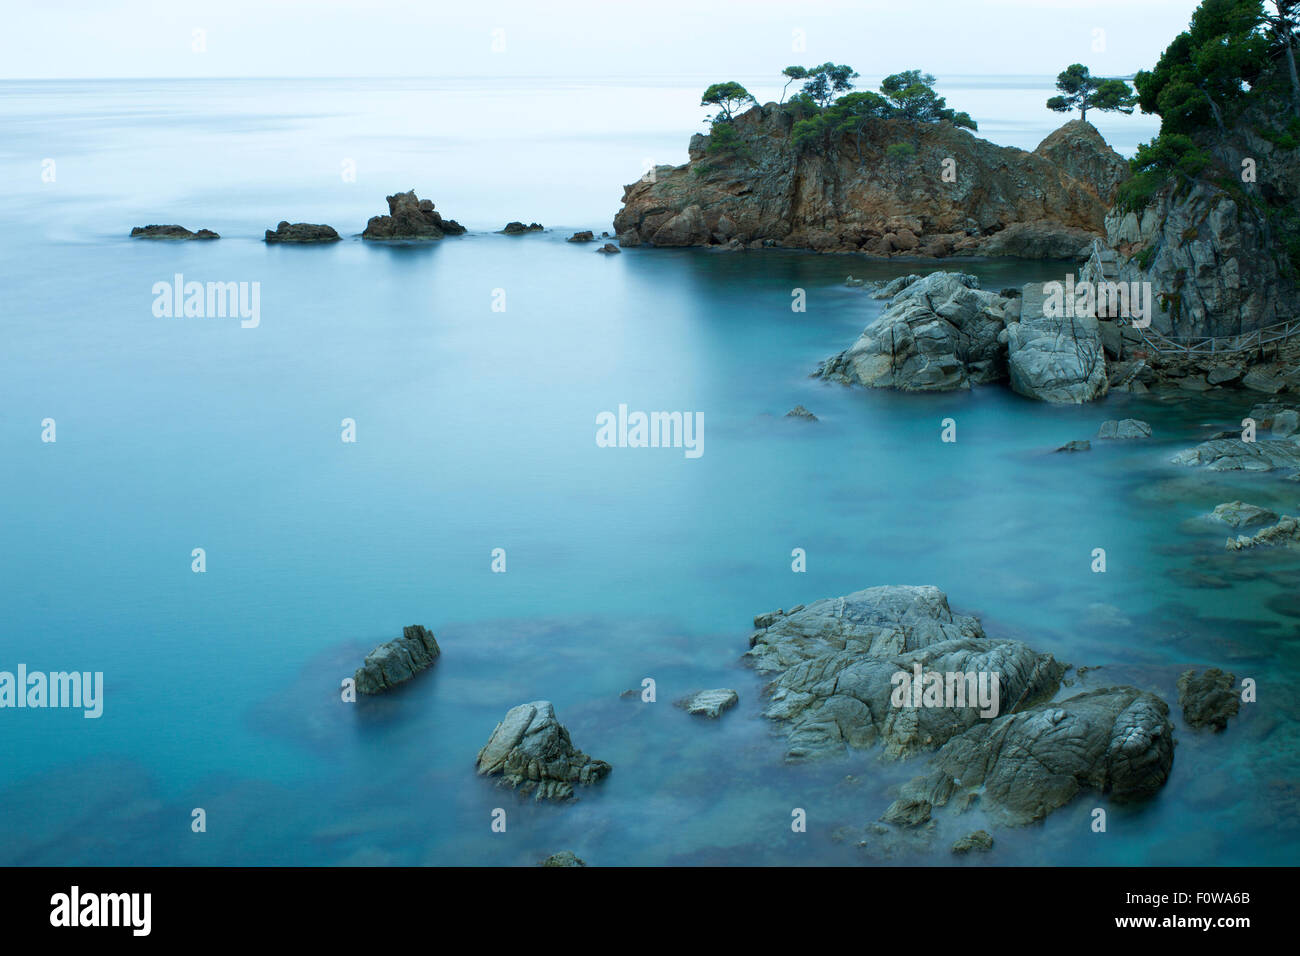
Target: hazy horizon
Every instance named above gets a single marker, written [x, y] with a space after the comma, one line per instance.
[132, 39]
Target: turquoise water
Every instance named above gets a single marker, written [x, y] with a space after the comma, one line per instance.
[476, 431]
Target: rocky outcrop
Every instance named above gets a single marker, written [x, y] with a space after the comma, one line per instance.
[171, 232]
[857, 196]
[1126, 428]
[609, 249]
[516, 228]
[585, 236]
[938, 334]
[302, 232]
[1232, 454]
[397, 661]
[531, 751]
[709, 703]
[802, 413]
[1238, 514]
[1058, 360]
[837, 664]
[410, 217]
[1115, 740]
[1208, 698]
[1082, 153]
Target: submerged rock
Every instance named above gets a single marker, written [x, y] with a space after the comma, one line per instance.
[800, 412]
[1128, 428]
[1238, 514]
[1286, 533]
[1229, 454]
[410, 217]
[979, 840]
[171, 232]
[532, 752]
[397, 661]
[302, 232]
[938, 333]
[1208, 698]
[1076, 445]
[563, 858]
[516, 228]
[709, 703]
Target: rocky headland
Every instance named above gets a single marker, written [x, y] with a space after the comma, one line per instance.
[856, 194]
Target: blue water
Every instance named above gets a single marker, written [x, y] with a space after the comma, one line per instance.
[476, 431]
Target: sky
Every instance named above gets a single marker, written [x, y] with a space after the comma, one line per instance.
[50, 39]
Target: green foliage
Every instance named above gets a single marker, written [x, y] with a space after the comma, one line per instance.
[899, 152]
[1145, 256]
[1082, 91]
[792, 73]
[825, 82]
[912, 95]
[1166, 157]
[1204, 73]
[725, 141]
[728, 97]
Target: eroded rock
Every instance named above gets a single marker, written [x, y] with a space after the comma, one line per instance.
[1208, 698]
[171, 232]
[397, 661]
[709, 703]
[533, 753]
[302, 232]
[410, 217]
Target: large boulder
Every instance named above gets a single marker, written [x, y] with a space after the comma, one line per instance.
[938, 334]
[410, 217]
[1239, 514]
[839, 664]
[531, 751]
[1057, 359]
[397, 661]
[1114, 740]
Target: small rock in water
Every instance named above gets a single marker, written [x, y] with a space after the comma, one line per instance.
[609, 249]
[800, 412]
[397, 661]
[302, 232]
[855, 283]
[1128, 428]
[171, 232]
[563, 858]
[533, 753]
[709, 703]
[1208, 699]
[1081, 445]
[584, 236]
[979, 840]
[515, 228]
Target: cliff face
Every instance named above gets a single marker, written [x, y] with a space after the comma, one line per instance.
[858, 196]
[1215, 250]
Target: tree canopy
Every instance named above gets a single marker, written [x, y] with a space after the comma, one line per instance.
[1082, 91]
[728, 97]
